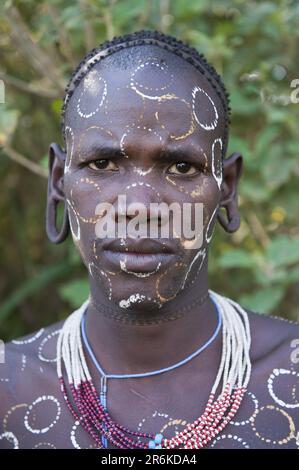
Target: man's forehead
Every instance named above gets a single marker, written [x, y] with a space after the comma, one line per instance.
[150, 94]
[98, 140]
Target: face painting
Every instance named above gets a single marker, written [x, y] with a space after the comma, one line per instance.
[152, 133]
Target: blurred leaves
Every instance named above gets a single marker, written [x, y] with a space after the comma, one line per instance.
[252, 44]
[283, 251]
[75, 292]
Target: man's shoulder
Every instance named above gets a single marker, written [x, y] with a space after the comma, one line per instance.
[274, 343]
[37, 341]
[270, 412]
[28, 361]
[270, 331]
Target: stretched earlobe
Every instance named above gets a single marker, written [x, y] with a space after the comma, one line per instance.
[55, 195]
[232, 223]
[232, 169]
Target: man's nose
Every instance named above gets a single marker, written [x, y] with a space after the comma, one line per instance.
[138, 198]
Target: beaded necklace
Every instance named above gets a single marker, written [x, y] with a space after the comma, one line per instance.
[90, 411]
[104, 376]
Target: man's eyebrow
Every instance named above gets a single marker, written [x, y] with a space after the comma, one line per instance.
[110, 151]
[180, 154]
[100, 151]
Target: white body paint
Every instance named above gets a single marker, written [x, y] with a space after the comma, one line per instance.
[134, 298]
[216, 173]
[213, 124]
[93, 85]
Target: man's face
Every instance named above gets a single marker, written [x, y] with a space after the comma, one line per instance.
[151, 133]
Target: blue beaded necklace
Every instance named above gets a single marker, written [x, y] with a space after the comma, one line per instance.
[104, 376]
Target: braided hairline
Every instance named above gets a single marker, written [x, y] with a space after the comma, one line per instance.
[170, 43]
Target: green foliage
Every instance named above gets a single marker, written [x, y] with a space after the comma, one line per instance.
[75, 292]
[252, 44]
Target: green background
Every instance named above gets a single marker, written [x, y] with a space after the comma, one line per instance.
[253, 45]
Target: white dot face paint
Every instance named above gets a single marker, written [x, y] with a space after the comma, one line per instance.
[142, 183]
[141, 171]
[217, 161]
[92, 96]
[143, 112]
[177, 130]
[144, 131]
[134, 298]
[140, 82]
[203, 104]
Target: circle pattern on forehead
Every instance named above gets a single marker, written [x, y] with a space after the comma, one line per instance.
[185, 126]
[202, 103]
[93, 94]
[217, 161]
[140, 79]
[151, 134]
[42, 399]
[125, 94]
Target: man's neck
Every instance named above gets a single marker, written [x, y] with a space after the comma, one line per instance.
[137, 342]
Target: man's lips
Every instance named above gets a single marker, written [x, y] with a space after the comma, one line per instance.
[138, 255]
[138, 246]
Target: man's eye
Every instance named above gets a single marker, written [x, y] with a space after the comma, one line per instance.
[102, 164]
[183, 168]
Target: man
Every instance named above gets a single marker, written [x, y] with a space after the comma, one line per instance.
[146, 117]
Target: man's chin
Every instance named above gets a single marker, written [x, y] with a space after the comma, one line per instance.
[138, 301]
